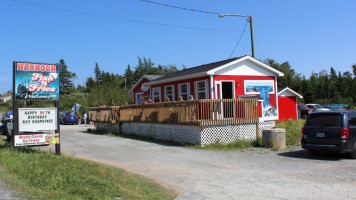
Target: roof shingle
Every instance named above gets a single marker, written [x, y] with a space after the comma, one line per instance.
[195, 70]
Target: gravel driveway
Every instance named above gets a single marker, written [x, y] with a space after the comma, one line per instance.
[255, 173]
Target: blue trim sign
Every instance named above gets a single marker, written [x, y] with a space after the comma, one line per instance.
[36, 81]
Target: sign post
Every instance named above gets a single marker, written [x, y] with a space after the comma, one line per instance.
[35, 126]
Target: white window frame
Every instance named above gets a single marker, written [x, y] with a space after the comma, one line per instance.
[153, 93]
[206, 89]
[165, 92]
[188, 90]
[137, 97]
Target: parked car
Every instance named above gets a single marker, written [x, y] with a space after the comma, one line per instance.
[317, 107]
[305, 111]
[331, 107]
[340, 106]
[8, 116]
[68, 118]
[330, 131]
[4, 129]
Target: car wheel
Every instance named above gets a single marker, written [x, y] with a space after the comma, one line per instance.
[353, 153]
[304, 116]
[313, 152]
[76, 123]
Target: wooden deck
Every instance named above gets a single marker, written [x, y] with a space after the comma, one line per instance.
[202, 113]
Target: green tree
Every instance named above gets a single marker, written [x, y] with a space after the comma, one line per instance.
[129, 77]
[98, 74]
[65, 78]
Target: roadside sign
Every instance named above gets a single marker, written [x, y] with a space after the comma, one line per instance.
[37, 139]
[36, 81]
[37, 119]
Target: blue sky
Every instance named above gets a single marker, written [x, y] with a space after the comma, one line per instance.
[311, 35]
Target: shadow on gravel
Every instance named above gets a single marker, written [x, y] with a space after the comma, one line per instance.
[134, 137]
[305, 154]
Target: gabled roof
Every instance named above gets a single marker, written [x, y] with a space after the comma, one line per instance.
[6, 95]
[152, 77]
[210, 69]
[149, 77]
[287, 89]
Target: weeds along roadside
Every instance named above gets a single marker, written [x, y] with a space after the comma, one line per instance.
[34, 174]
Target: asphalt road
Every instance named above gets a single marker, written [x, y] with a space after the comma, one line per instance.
[255, 173]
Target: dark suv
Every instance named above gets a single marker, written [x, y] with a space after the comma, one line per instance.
[330, 131]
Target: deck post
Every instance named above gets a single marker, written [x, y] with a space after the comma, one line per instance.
[257, 128]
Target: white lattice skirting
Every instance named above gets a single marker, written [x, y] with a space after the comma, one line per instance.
[190, 134]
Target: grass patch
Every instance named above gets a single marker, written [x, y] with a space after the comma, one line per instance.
[42, 175]
[293, 130]
[237, 145]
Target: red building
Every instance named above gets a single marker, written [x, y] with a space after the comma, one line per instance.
[287, 104]
[140, 92]
[242, 77]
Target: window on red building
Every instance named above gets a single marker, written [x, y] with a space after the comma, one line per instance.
[201, 90]
[156, 94]
[169, 92]
[184, 90]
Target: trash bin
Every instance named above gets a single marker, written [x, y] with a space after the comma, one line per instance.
[299, 114]
[274, 138]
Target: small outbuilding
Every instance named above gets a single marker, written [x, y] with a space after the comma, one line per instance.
[6, 97]
[287, 104]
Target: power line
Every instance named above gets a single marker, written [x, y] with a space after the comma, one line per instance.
[237, 44]
[200, 11]
[189, 9]
[122, 19]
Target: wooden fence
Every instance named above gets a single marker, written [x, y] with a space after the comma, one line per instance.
[206, 112]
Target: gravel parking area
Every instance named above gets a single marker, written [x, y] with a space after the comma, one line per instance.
[6, 194]
[255, 173]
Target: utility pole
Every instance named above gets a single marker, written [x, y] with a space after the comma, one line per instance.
[252, 38]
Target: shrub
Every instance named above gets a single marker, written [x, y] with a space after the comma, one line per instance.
[293, 130]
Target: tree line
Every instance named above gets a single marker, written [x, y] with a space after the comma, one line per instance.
[106, 88]
[324, 87]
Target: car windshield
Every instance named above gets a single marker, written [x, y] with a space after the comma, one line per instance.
[323, 119]
[318, 106]
[302, 107]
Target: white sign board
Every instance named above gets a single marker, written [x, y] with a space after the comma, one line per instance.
[30, 140]
[37, 119]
